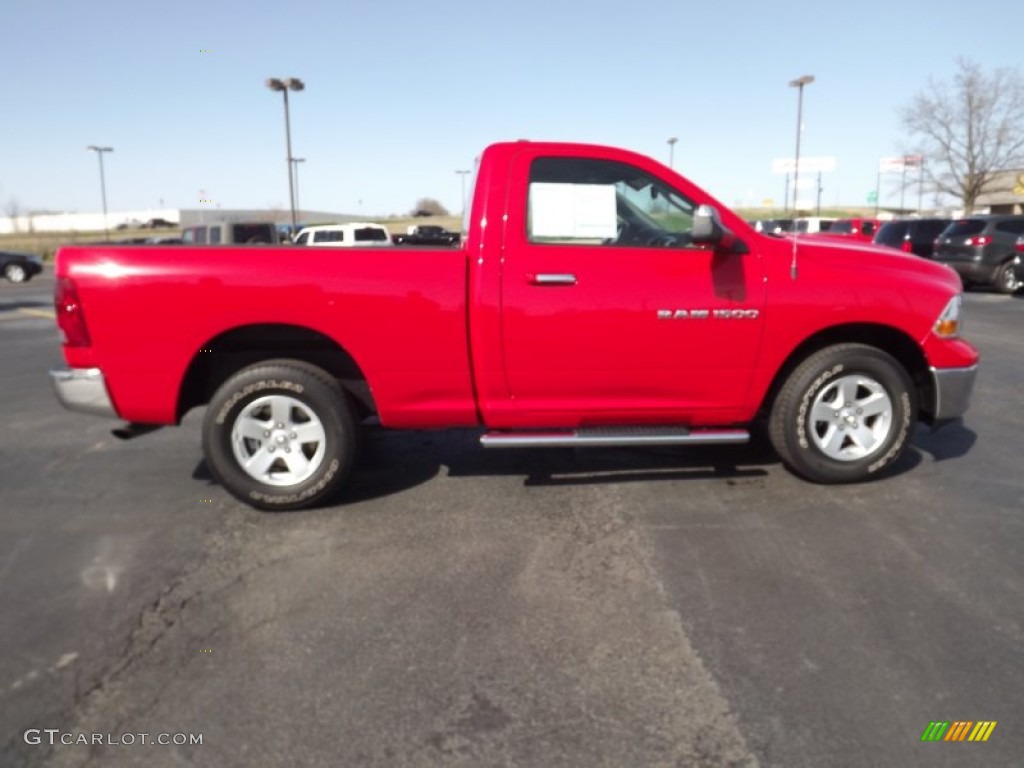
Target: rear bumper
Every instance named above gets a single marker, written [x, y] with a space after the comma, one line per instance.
[84, 390]
[953, 388]
[973, 271]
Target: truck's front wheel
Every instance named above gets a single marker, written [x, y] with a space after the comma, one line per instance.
[844, 414]
[280, 435]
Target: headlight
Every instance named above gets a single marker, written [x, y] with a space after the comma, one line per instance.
[948, 324]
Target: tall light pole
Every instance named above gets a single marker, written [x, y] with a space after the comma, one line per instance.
[103, 183]
[291, 84]
[799, 84]
[462, 175]
[671, 150]
[295, 162]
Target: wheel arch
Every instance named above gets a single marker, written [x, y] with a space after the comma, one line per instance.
[230, 351]
[886, 338]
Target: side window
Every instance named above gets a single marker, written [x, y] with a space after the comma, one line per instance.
[301, 240]
[214, 235]
[1011, 227]
[867, 228]
[580, 201]
[200, 235]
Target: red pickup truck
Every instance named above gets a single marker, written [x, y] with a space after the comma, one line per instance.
[598, 298]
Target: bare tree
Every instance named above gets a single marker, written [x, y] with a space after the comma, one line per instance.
[13, 211]
[969, 129]
[428, 206]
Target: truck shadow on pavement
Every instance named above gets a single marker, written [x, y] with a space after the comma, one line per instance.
[14, 305]
[392, 462]
[951, 442]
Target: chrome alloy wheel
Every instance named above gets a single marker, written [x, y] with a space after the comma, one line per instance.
[278, 440]
[850, 418]
[15, 273]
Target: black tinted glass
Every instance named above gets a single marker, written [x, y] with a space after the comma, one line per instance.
[964, 228]
[930, 229]
[253, 233]
[892, 233]
[370, 234]
[1013, 227]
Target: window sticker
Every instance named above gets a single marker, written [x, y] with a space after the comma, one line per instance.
[584, 211]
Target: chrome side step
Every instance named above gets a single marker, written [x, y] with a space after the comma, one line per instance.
[611, 436]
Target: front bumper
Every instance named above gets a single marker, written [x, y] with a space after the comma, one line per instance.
[83, 389]
[952, 391]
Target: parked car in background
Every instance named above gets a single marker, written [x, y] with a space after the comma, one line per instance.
[811, 225]
[1018, 263]
[19, 267]
[427, 234]
[158, 224]
[772, 226]
[982, 250]
[858, 229]
[231, 233]
[915, 236]
[360, 234]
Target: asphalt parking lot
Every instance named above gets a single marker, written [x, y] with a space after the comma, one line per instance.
[552, 608]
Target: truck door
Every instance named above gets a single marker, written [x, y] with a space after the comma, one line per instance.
[609, 314]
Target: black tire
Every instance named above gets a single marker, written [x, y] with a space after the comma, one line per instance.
[305, 398]
[829, 441]
[1006, 279]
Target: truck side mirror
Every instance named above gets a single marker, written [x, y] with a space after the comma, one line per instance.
[707, 227]
[709, 230]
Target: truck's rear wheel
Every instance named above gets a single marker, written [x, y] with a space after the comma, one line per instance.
[280, 435]
[844, 414]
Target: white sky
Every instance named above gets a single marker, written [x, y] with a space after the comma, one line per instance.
[400, 94]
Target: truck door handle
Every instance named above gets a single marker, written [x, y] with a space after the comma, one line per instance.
[556, 278]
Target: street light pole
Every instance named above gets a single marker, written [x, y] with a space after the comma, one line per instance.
[462, 175]
[291, 84]
[799, 84]
[671, 151]
[103, 184]
[298, 208]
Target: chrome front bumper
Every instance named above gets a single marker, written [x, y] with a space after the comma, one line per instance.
[952, 391]
[83, 389]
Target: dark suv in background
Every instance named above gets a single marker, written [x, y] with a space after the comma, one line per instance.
[982, 250]
[915, 236]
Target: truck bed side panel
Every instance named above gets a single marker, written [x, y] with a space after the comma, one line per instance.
[400, 315]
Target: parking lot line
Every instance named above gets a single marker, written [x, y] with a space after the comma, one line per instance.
[47, 313]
